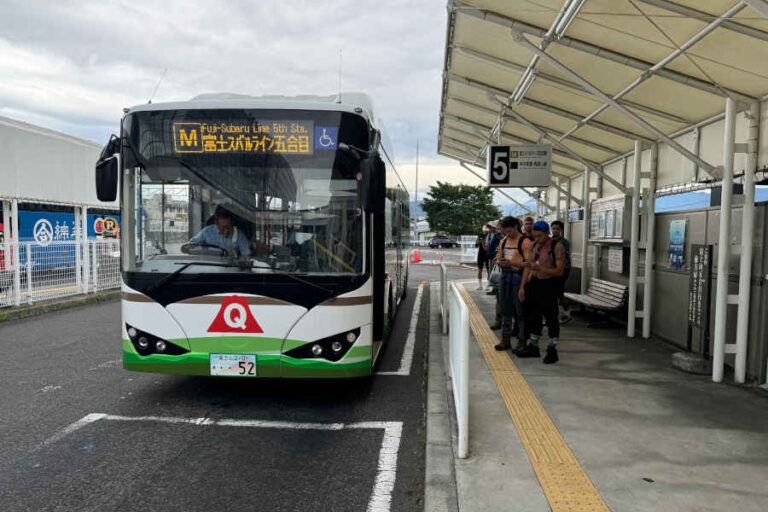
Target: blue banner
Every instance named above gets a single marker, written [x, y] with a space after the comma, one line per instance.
[46, 227]
[677, 242]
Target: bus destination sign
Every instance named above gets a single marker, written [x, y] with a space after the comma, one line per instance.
[281, 137]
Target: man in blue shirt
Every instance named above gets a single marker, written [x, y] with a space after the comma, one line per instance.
[223, 234]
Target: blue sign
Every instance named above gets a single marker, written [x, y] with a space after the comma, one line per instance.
[677, 242]
[326, 137]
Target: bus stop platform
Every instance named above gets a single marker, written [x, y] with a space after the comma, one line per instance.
[611, 426]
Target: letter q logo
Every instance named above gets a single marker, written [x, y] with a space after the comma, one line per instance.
[235, 316]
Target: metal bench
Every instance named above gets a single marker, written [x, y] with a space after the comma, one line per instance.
[602, 297]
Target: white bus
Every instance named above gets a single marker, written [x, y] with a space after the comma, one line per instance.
[259, 237]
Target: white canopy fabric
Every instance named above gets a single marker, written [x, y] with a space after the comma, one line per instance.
[609, 45]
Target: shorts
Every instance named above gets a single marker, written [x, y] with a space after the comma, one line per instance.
[483, 263]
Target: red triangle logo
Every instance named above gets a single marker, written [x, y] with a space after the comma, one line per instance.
[235, 316]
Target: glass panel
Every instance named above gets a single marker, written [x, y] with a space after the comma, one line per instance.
[258, 206]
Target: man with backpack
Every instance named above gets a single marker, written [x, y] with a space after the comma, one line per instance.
[557, 236]
[540, 290]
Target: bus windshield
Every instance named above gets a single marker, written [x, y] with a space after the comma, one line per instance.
[254, 190]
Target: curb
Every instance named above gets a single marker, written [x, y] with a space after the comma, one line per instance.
[18, 312]
[440, 494]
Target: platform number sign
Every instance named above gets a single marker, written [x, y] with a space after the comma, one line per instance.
[523, 165]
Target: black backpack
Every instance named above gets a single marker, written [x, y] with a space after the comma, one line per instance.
[566, 247]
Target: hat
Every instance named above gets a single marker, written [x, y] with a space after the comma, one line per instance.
[493, 223]
[541, 226]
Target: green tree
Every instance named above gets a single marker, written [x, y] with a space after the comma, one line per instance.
[459, 209]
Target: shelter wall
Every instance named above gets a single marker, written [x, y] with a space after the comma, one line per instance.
[42, 166]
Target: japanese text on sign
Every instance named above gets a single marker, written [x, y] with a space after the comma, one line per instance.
[519, 165]
[283, 137]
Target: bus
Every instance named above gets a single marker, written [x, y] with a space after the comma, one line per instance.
[259, 237]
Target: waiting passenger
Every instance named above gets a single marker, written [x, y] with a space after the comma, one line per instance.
[527, 227]
[511, 259]
[557, 236]
[222, 234]
[540, 290]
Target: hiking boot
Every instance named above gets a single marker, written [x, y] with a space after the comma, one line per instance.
[504, 345]
[551, 357]
[521, 346]
[497, 324]
[530, 351]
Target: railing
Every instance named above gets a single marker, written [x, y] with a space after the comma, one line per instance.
[30, 272]
[458, 354]
[444, 297]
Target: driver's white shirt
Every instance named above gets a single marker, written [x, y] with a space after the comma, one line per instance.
[210, 235]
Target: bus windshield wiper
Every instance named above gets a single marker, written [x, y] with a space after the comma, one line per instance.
[310, 283]
[173, 275]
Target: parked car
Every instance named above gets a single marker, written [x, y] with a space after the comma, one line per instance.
[442, 241]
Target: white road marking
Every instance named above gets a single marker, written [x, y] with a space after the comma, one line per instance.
[48, 389]
[410, 342]
[105, 364]
[386, 471]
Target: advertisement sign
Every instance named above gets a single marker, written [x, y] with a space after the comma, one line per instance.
[47, 227]
[616, 259]
[677, 242]
[520, 165]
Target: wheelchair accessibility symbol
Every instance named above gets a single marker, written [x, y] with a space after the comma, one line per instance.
[326, 137]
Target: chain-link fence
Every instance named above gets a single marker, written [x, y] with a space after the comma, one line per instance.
[30, 272]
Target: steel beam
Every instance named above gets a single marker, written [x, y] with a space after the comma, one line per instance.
[703, 16]
[650, 239]
[545, 77]
[760, 6]
[633, 243]
[653, 70]
[517, 139]
[593, 166]
[585, 230]
[599, 51]
[556, 133]
[709, 168]
[495, 91]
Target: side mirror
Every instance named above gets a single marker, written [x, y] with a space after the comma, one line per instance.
[107, 171]
[374, 183]
[106, 179]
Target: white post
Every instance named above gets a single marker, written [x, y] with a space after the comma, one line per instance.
[747, 233]
[558, 215]
[6, 263]
[94, 265]
[78, 258]
[86, 255]
[567, 219]
[633, 245]
[585, 233]
[650, 233]
[724, 247]
[15, 252]
[29, 272]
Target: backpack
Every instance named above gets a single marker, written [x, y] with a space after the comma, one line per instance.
[567, 247]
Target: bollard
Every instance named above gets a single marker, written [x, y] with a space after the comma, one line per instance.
[441, 256]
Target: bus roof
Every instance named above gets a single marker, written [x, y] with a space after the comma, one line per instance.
[350, 102]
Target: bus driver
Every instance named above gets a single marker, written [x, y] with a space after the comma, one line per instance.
[223, 234]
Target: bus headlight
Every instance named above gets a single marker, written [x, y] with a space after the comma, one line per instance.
[147, 344]
[331, 348]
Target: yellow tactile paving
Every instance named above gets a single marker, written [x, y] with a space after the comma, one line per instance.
[565, 484]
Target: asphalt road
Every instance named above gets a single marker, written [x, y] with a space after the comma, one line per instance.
[193, 443]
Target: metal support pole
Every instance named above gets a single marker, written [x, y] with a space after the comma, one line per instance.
[29, 272]
[94, 267]
[15, 252]
[650, 234]
[747, 233]
[585, 233]
[86, 255]
[633, 243]
[6, 263]
[558, 212]
[724, 247]
[78, 253]
[567, 218]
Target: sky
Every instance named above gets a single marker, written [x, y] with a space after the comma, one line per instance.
[73, 69]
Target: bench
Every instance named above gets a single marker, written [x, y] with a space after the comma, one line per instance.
[602, 296]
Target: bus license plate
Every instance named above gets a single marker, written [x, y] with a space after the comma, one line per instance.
[233, 365]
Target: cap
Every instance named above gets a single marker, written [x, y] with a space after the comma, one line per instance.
[493, 223]
[541, 226]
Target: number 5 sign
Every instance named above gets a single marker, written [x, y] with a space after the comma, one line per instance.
[523, 165]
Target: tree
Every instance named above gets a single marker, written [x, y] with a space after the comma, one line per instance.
[459, 209]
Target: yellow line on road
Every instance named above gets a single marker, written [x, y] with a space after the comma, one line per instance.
[563, 480]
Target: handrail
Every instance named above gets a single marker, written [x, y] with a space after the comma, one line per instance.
[458, 354]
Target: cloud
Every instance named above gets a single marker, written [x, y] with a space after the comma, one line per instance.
[78, 67]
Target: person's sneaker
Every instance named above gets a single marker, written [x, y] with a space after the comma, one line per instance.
[530, 351]
[551, 356]
[497, 325]
[479, 287]
[504, 345]
[564, 318]
[491, 292]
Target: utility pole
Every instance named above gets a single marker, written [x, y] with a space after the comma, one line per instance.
[416, 187]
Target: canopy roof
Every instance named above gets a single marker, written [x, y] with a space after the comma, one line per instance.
[609, 45]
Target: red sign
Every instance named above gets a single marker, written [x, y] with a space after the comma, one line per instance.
[98, 225]
[235, 316]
